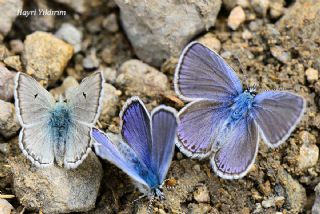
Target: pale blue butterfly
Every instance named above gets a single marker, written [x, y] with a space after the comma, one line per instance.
[223, 120]
[145, 147]
[57, 131]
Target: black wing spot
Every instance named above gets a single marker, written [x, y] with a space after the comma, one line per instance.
[35, 96]
[84, 95]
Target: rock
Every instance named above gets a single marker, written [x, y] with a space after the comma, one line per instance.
[243, 3]
[8, 13]
[45, 56]
[138, 78]
[211, 41]
[70, 34]
[261, 6]
[16, 46]
[201, 208]
[301, 25]
[68, 83]
[5, 207]
[308, 156]
[295, 193]
[280, 54]
[6, 83]
[9, 124]
[55, 189]
[273, 202]
[110, 104]
[4, 53]
[236, 17]
[160, 29]
[276, 9]
[4, 148]
[91, 62]
[312, 74]
[110, 23]
[246, 35]
[109, 74]
[81, 6]
[316, 205]
[201, 194]
[13, 62]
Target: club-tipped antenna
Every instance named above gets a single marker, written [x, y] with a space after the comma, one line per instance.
[244, 71]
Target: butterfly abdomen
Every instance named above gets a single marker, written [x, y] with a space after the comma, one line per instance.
[59, 126]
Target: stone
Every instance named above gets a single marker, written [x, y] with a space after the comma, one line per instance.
[4, 52]
[110, 104]
[201, 195]
[109, 74]
[91, 62]
[16, 46]
[158, 30]
[316, 205]
[9, 124]
[6, 83]
[45, 56]
[296, 196]
[13, 62]
[110, 23]
[4, 148]
[8, 13]
[211, 42]
[70, 34]
[308, 156]
[273, 202]
[5, 207]
[236, 18]
[68, 83]
[312, 74]
[260, 6]
[246, 35]
[276, 9]
[140, 79]
[55, 189]
[201, 208]
[280, 54]
[82, 6]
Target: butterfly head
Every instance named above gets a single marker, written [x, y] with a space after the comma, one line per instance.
[251, 90]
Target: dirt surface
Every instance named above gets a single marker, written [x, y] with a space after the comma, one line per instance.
[275, 50]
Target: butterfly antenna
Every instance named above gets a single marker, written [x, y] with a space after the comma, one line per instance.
[244, 72]
[138, 199]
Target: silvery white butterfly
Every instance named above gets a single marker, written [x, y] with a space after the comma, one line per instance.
[57, 131]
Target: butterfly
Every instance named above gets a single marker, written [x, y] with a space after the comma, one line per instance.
[223, 120]
[144, 149]
[57, 131]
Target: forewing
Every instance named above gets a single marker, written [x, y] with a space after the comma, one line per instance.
[113, 149]
[86, 100]
[199, 122]
[136, 129]
[202, 73]
[164, 125]
[36, 145]
[235, 158]
[277, 114]
[78, 145]
[32, 101]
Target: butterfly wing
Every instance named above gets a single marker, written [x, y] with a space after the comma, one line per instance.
[203, 74]
[113, 149]
[33, 104]
[32, 101]
[86, 100]
[78, 145]
[234, 159]
[164, 125]
[277, 114]
[199, 122]
[136, 129]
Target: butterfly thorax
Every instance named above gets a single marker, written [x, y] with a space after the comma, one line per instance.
[242, 104]
[59, 125]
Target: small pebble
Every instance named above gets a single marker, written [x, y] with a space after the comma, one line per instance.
[4, 52]
[16, 46]
[236, 18]
[91, 62]
[312, 74]
[260, 6]
[197, 168]
[110, 23]
[5, 207]
[6, 83]
[273, 202]
[179, 156]
[4, 148]
[246, 35]
[67, 85]
[109, 74]
[211, 42]
[201, 194]
[280, 54]
[255, 25]
[70, 34]
[8, 13]
[243, 3]
[308, 156]
[9, 124]
[13, 62]
[276, 10]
